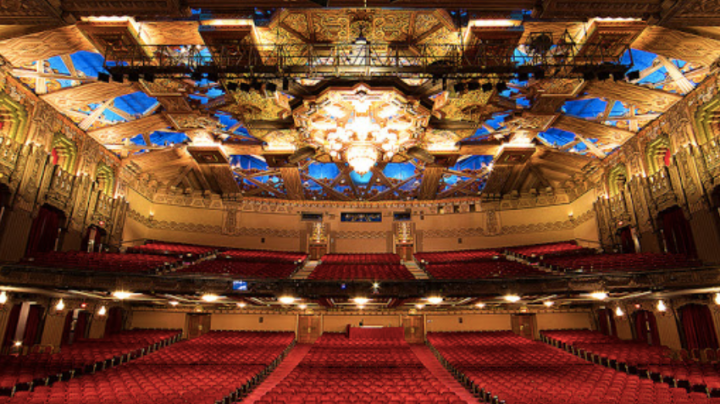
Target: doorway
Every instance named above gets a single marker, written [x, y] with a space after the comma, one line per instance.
[308, 329]
[198, 325]
[524, 325]
[414, 329]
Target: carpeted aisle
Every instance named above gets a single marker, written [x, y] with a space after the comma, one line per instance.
[433, 365]
[288, 365]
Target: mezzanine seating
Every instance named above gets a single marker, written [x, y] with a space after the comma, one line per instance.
[499, 268]
[639, 356]
[631, 262]
[290, 257]
[246, 270]
[83, 356]
[160, 248]
[360, 259]
[551, 249]
[360, 272]
[456, 256]
[199, 371]
[102, 262]
[338, 370]
[521, 371]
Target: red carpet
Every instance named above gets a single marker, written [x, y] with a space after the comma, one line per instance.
[291, 361]
[433, 365]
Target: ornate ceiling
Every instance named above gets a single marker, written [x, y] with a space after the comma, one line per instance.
[431, 136]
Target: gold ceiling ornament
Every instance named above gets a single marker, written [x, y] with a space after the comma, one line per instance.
[362, 126]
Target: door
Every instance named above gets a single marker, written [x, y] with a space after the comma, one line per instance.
[524, 325]
[308, 329]
[198, 325]
[414, 331]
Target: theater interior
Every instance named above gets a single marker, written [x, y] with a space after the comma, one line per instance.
[359, 201]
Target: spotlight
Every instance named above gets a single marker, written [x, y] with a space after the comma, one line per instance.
[599, 295]
[619, 312]
[18, 343]
[104, 77]
[118, 77]
[210, 297]
[241, 305]
[376, 285]
[286, 84]
[232, 86]
[83, 305]
[501, 86]
[539, 74]
[435, 300]
[196, 75]
[487, 87]
[213, 76]
[287, 300]
[633, 75]
[245, 87]
[134, 76]
[512, 298]
[149, 77]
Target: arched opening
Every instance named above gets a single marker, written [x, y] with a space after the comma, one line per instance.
[658, 154]
[13, 120]
[617, 178]
[606, 322]
[76, 327]
[676, 232]
[45, 230]
[105, 178]
[698, 327]
[646, 327]
[94, 239]
[114, 322]
[64, 153]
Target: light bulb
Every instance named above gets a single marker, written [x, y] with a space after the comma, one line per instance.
[548, 303]
[435, 300]
[60, 305]
[210, 297]
[619, 312]
[102, 311]
[361, 300]
[122, 294]
[599, 295]
[3, 297]
[512, 298]
[287, 300]
[661, 306]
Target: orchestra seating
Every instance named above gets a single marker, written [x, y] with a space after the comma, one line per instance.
[338, 370]
[360, 272]
[214, 367]
[631, 262]
[360, 259]
[456, 256]
[520, 371]
[246, 270]
[102, 262]
[499, 268]
[84, 356]
[160, 248]
[655, 361]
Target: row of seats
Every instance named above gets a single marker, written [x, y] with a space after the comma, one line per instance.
[160, 248]
[243, 269]
[102, 262]
[456, 256]
[204, 370]
[656, 360]
[483, 270]
[82, 356]
[520, 371]
[360, 259]
[550, 249]
[360, 272]
[264, 256]
[338, 370]
[631, 262]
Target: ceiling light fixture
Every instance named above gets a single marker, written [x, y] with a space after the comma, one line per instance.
[241, 305]
[548, 303]
[361, 300]
[419, 306]
[435, 300]
[480, 305]
[302, 306]
[120, 294]
[599, 295]
[512, 298]
[173, 303]
[286, 300]
[210, 297]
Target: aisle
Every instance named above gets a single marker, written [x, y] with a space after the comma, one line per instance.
[288, 365]
[433, 365]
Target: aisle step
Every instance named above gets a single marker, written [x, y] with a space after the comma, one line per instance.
[415, 270]
[296, 355]
[436, 368]
[305, 271]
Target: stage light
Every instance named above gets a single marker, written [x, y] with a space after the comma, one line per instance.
[286, 300]
[122, 294]
[361, 300]
[435, 300]
[18, 343]
[104, 77]
[3, 297]
[60, 306]
[661, 306]
[102, 311]
[599, 295]
[173, 303]
[209, 297]
[361, 307]
[501, 86]
[134, 76]
[487, 87]
[118, 77]
[512, 298]
[619, 312]
[149, 77]
[548, 303]
[633, 75]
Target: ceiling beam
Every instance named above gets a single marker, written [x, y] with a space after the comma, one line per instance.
[327, 188]
[430, 183]
[394, 187]
[642, 97]
[592, 130]
[293, 183]
[95, 114]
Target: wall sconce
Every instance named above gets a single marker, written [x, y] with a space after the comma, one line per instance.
[60, 305]
[3, 297]
[571, 217]
[151, 216]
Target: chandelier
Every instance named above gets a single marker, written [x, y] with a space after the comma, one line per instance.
[361, 157]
